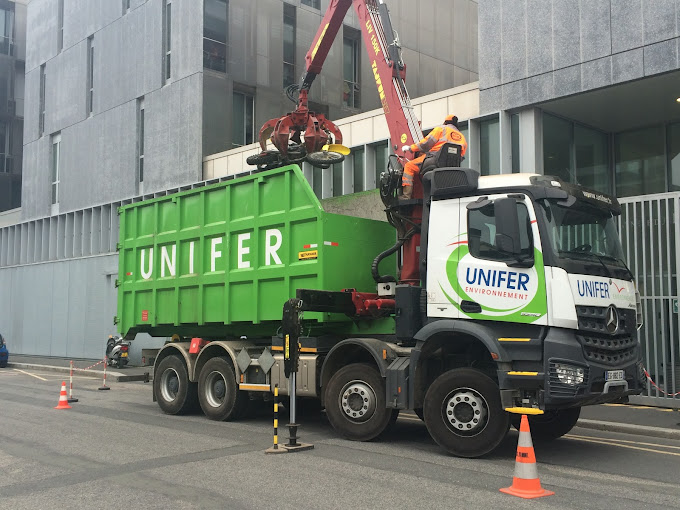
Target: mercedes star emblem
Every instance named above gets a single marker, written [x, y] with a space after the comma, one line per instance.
[612, 320]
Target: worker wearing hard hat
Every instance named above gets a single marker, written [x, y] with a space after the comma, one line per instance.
[430, 145]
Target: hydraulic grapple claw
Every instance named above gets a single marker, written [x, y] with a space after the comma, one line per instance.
[308, 131]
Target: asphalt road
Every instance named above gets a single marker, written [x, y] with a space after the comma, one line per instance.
[115, 449]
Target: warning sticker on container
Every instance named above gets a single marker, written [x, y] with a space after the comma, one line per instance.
[145, 315]
[308, 255]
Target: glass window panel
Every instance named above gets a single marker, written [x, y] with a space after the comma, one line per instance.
[16, 194]
[674, 156]
[348, 59]
[640, 165]
[557, 148]
[592, 161]
[490, 147]
[215, 20]
[312, 3]
[288, 33]
[238, 112]
[214, 55]
[215, 26]
[168, 27]
[288, 74]
[464, 129]
[337, 179]
[482, 233]
[358, 162]
[55, 162]
[381, 158]
[250, 120]
[317, 181]
[141, 132]
[514, 135]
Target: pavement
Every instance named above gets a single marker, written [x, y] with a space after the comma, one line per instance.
[623, 418]
[82, 367]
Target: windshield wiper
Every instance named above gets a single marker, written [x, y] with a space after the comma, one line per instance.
[587, 255]
[622, 262]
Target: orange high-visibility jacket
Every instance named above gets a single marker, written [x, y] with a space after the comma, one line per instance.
[438, 137]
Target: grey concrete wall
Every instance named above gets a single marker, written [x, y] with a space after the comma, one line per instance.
[99, 151]
[531, 51]
[59, 308]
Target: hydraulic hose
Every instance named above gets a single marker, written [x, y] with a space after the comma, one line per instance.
[374, 267]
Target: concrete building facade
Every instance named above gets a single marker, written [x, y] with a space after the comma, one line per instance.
[126, 98]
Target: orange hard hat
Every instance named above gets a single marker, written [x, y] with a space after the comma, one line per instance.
[451, 118]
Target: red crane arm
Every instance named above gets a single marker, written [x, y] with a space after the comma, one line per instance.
[383, 52]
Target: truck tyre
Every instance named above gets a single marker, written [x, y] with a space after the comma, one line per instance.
[551, 425]
[174, 393]
[218, 395]
[263, 158]
[355, 402]
[463, 413]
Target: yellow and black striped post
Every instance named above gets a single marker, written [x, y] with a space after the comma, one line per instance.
[275, 448]
[276, 417]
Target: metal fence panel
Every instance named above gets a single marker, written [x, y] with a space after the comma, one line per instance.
[649, 234]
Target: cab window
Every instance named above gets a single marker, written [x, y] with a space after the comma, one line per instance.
[482, 233]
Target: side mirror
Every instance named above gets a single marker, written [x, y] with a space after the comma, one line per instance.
[507, 226]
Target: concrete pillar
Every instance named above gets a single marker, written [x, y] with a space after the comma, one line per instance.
[473, 152]
[505, 137]
[531, 140]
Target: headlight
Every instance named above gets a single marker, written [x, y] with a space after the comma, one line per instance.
[569, 374]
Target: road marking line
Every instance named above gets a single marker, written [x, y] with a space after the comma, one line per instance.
[610, 443]
[662, 409]
[32, 375]
[627, 441]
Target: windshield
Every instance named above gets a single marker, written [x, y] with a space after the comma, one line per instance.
[584, 239]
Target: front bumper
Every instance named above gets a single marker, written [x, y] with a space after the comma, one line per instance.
[564, 347]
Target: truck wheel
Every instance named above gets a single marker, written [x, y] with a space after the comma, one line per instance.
[551, 425]
[355, 402]
[463, 413]
[218, 395]
[174, 393]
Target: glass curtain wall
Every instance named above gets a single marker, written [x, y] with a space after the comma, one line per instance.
[640, 161]
[490, 147]
[576, 153]
[674, 157]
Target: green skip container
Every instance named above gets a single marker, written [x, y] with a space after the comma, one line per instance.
[220, 261]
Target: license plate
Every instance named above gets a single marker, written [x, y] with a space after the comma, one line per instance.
[614, 375]
[124, 355]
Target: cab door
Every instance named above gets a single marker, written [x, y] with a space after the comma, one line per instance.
[494, 283]
[445, 240]
[477, 275]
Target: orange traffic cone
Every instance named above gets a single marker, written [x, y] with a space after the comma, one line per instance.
[525, 483]
[63, 399]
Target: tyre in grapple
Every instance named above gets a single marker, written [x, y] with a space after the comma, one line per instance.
[174, 393]
[263, 159]
[463, 413]
[551, 425]
[218, 394]
[323, 158]
[355, 402]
